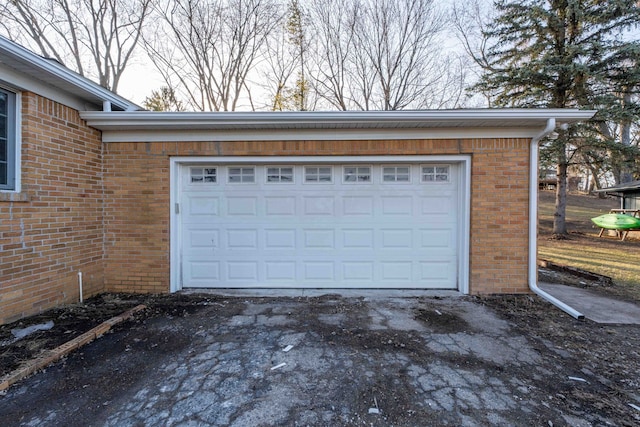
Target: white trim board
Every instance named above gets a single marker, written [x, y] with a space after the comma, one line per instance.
[464, 194]
[110, 136]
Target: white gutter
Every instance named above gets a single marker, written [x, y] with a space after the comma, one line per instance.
[497, 118]
[533, 224]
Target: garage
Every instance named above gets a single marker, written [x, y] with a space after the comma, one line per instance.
[321, 223]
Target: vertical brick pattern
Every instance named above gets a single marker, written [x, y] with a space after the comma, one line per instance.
[53, 228]
[137, 203]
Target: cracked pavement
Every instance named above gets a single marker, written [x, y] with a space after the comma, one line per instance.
[324, 361]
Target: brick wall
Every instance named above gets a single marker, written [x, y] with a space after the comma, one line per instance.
[53, 228]
[137, 203]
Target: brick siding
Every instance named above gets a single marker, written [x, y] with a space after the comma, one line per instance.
[53, 228]
[137, 203]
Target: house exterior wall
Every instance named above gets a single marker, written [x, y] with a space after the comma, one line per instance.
[53, 228]
[631, 200]
[137, 211]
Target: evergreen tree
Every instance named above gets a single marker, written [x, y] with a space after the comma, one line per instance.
[563, 54]
[163, 99]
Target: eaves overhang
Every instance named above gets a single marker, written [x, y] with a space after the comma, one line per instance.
[54, 74]
[627, 187]
[200, 126]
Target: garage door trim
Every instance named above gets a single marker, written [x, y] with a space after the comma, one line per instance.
[464, 197]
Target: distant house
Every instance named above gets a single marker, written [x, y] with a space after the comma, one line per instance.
[547, 179]
[141, 201]
[628, 192]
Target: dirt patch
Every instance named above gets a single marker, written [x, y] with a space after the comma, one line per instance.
[441, 322]
[609, 353]
[72, 320]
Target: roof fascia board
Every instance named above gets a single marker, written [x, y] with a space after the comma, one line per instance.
[22, 82]
[186, 120]
[621, 188]
[12, 49]
[314, 134]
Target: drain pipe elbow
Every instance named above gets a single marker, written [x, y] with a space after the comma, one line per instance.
[533, 224]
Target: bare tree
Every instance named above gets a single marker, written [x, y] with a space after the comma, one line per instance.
[336, 59]
[96, 38]
[384, 55]
[285, 69]
[399, 38]
[280, 66]
[206, 49]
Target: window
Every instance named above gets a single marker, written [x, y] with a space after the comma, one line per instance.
[242, 175]
[435, 173]
[357, 174]
[204, 175]
[279, 174]
[8, 140]
[395, 174]
[320, 174]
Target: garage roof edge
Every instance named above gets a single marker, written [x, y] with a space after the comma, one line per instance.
[486, 118]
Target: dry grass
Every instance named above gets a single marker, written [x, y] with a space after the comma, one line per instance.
[606, 255]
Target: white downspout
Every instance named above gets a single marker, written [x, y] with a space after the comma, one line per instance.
[533, 224]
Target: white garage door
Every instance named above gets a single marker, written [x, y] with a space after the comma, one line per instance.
[319, 226]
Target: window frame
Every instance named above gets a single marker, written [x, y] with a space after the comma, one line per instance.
[318, 182]
[216, 175]
[242, 175]
[435, 173]
[395, 173]
[14, 101]
[357, 181]
[279, 167]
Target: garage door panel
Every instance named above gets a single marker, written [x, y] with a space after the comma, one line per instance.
[436, 270]
[357, 206]
[280, 238]
[437, 238]
[278, 271]
[319, 238]
[344, 234]
[204, 271]
[358, 238]
[397, 205]
[397, 271]
[319, 271]
[358, 271]
[246, 271]
[242, 206]
[280, 206]
[396, 238]
[240, 239]
[202, 205]
[441, 204]
[198, 239]
[319, 205]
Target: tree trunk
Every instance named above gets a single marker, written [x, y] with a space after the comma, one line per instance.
[559, 217]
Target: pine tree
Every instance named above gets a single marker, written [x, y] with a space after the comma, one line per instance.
[163, 99]
[561, 54]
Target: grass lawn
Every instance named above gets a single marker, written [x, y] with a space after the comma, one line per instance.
[584, 249]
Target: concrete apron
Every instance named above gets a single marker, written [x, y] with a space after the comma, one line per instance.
[595, 306]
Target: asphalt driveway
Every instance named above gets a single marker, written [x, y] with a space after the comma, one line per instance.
[332, 361]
